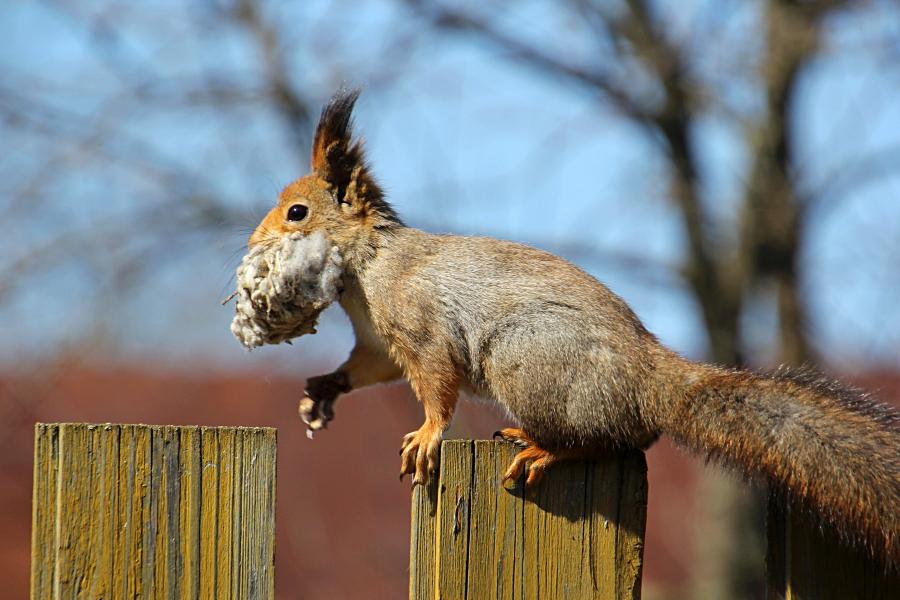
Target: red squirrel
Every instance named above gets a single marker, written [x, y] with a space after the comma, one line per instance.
[565, 356]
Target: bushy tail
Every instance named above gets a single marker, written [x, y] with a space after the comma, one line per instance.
[829, 447]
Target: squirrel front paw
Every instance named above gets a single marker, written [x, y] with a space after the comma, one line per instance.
[419, 452]
[316, 408]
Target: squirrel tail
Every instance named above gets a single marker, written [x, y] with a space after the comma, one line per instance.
[830, 448]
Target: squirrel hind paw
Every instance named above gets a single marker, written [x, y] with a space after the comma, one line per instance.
[532, 461]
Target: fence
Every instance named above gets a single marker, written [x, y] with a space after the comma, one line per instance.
[128, 511]
[579, 536]
[185, 512]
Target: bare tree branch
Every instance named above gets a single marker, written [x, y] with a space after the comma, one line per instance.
[294, 108]
[452, 19]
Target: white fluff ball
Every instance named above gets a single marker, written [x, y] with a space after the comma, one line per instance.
[281, 289]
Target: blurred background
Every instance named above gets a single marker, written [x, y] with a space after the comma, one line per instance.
[731, 168]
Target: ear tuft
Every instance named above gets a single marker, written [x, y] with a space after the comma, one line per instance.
[339, 159]
[332, 150]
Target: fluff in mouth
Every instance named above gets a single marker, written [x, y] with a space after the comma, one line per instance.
[282, 289]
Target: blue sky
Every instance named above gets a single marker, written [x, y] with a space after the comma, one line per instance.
[464, 140]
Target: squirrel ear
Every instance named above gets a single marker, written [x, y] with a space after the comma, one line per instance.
[334, 153]
[339, 160]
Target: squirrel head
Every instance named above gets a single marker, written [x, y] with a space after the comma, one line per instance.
[339, 197]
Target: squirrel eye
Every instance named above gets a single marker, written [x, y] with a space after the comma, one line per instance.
[297, 212]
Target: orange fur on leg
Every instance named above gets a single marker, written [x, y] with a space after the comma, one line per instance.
[438, 390]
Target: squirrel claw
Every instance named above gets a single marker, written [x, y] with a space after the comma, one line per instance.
[316, 407]
[318, 424]
[515, 436]
[305, 409]
[419, 453]
[315, 413]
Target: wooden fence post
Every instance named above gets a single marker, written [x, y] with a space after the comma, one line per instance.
[808, 562]
[580, 535]
[127, 511]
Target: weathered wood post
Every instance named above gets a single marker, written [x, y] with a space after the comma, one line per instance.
[579, 536]
[127, 511]
[808, 562]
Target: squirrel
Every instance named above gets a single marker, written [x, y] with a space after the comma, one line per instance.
[567, 358]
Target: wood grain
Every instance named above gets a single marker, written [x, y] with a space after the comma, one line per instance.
[579, 535]
[136, 511]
